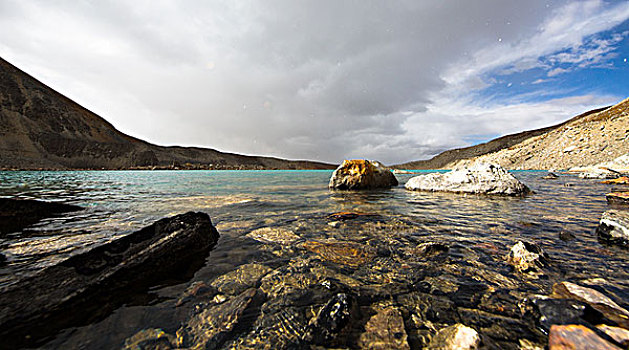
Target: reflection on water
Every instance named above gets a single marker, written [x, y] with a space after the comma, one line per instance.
[119, 202]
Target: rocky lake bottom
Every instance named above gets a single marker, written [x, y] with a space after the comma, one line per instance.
[298, 265]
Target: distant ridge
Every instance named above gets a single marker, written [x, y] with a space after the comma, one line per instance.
[450, 158]
[42, 129]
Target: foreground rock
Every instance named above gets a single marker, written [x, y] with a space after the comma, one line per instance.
[576, 337]
[100, 279]
[595, 299]
[614, 227]
[359, 174]
[16, 214]
[479, 178]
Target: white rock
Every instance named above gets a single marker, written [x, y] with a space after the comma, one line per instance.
[455, 337]
[479, 178]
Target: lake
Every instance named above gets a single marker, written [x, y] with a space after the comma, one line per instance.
[561, 216]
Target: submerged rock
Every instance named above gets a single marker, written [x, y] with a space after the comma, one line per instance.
[245, 276]
[595, 299]
[549, 311]
[480, 178]
[564, 337]
[614, 227]
[385, 330]
[618, 198]
[346, 253]
[16, 214]
[153, 339]
[526, 257]
[274, 235]
[101, 278]
[331, 318]
[210, 328]
[455, 337]
[359, 174]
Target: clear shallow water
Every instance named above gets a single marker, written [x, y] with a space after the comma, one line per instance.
[119, 202]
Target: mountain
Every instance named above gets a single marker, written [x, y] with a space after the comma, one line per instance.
[589, 138]
[42, 129]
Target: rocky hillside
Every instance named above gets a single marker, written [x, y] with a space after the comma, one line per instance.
[42, 129]
[595, 138]
[590, 138]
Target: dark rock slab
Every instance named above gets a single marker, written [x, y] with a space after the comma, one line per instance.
[550, 311]
[16, 214]
[92, 284]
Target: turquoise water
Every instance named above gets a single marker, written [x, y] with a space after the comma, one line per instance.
[119, 202]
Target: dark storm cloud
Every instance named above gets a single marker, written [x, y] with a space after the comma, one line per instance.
[299, 79]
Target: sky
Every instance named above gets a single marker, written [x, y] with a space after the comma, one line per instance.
[325, 80]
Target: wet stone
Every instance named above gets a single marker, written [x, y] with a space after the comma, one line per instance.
[614, 227]
[285, 328]
[346, 253]
[197, 291]
[525, 257]
[150, 339]
[549, 311]
[595, 299]
[430, 249]
[385, 330]
[455, 337]
[244, 277]
[331, 319]
[621, 198]
[565, 337]
[498, 328]
[274, 235]
[212, 326]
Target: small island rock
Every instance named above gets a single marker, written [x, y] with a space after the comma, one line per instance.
[479, 178]
[360, 174]
[526, 256]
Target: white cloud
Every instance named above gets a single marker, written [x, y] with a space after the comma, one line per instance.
[310, 79]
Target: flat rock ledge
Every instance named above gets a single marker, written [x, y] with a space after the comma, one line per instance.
[98, 279]
[614, 227]
[17, 214]
[479, 178]
[360, 174]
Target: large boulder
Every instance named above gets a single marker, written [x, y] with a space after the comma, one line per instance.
[95, 282]
[16, 214]
[479, 178]
[360, 174]
[614, 227]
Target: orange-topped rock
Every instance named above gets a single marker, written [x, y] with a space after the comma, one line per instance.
[359, 174]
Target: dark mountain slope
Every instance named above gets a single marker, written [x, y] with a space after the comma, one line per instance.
[448, 157]
[40, 128]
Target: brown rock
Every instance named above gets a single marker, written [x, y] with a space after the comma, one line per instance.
[623, 180]
[346, 253]
[360, 174]
[620, 335]
[385, 330]
[573, 337]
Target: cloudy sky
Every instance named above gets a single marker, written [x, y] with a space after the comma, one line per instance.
[325, 79]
